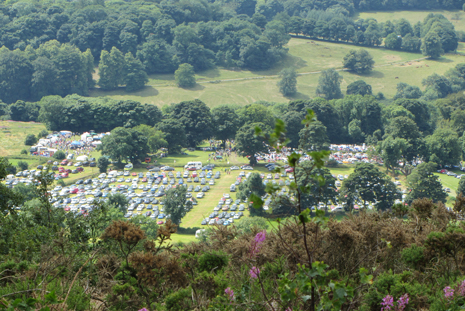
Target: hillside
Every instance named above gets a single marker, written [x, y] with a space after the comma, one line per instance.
[221, 86]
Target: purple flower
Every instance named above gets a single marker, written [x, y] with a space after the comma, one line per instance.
[257, 243]
[402, 302]
[143, 309]
[388, 303]
[254, 272]
[448, 292]
[230, 293]
[461, 289]
[288, 309]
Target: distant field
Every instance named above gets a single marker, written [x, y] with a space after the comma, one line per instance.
[221, 86]
[13, 135]
[456, 17]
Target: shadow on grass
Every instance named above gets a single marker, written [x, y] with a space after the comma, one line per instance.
[289, 61]
[211, 73]
[196, 87]
[373, 74]
[298, 95]
[442, 60]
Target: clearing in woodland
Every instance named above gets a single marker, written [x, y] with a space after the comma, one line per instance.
[221, 86]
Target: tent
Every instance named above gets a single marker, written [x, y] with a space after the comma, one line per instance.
[84, 136]
[76, 143]
[82, 158]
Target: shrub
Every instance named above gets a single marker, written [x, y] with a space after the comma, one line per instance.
[23, 165]
[413, 255]
[24, 151]
[42, 133]
[59, 155]
[61, 182]
[212, 261]
[180, 300]
[30, 140]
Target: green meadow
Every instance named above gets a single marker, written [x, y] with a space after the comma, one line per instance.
[221, 86]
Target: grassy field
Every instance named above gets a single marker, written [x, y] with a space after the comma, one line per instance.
[13, 135]
[456, 17]
[309, 58]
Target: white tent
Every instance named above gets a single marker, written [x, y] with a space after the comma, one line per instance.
[82, 158]
[84, 136]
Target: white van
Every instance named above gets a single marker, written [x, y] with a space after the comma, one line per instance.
[197, 165]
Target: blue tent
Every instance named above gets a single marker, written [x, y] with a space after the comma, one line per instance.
[76, 143]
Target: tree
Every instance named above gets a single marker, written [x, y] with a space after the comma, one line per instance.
[313, 137]
[22, 165]
[288, 83]
[8, 198]
[293, 121]
[368, 184]
[461, 188]
[135, 76]
[424, 184]
[411, 43]
[359, 87]
[31, 139]
[117, 200]
[59, 155]
[175, 134]
[247, 143]
[431, 45]
[391, 151]
[196, 119]
[359, 61]
[329, 84]
[420, 110]
[325, 192]
[111, 69]
[393, 42]
[155, 138]
[438, 85]
[252, 187]
[176, 205]
[444, 147]
[406, 128]
[102, 164]
[43, 133]
[407, 91]
[225, 122]
[125, 144]
[185, 76]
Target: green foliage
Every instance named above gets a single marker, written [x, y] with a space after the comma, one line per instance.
[125, 145]
[359, 87]
[179, 300]
[31, 139]
[425, 184]
[393, 41]
[59, 155]
[288, 83]
[407, 91]
[247, 143]
[185, 76]
[413, 256]
[24, 151]
[329, 84]
[431, 45]
[102, 164]
[135, 76]
[359, 61]
[253, 186]
[212, 261]
[368, 184]
[313, 137]
[176, 205]
[246, 225]
[22, 165]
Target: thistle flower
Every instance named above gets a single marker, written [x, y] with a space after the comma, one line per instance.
[448, 292]
[461, 289]
[254, 272]
[257, 243]
[402, 302]
[230, 293]
[388, 303]
[143, 309]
